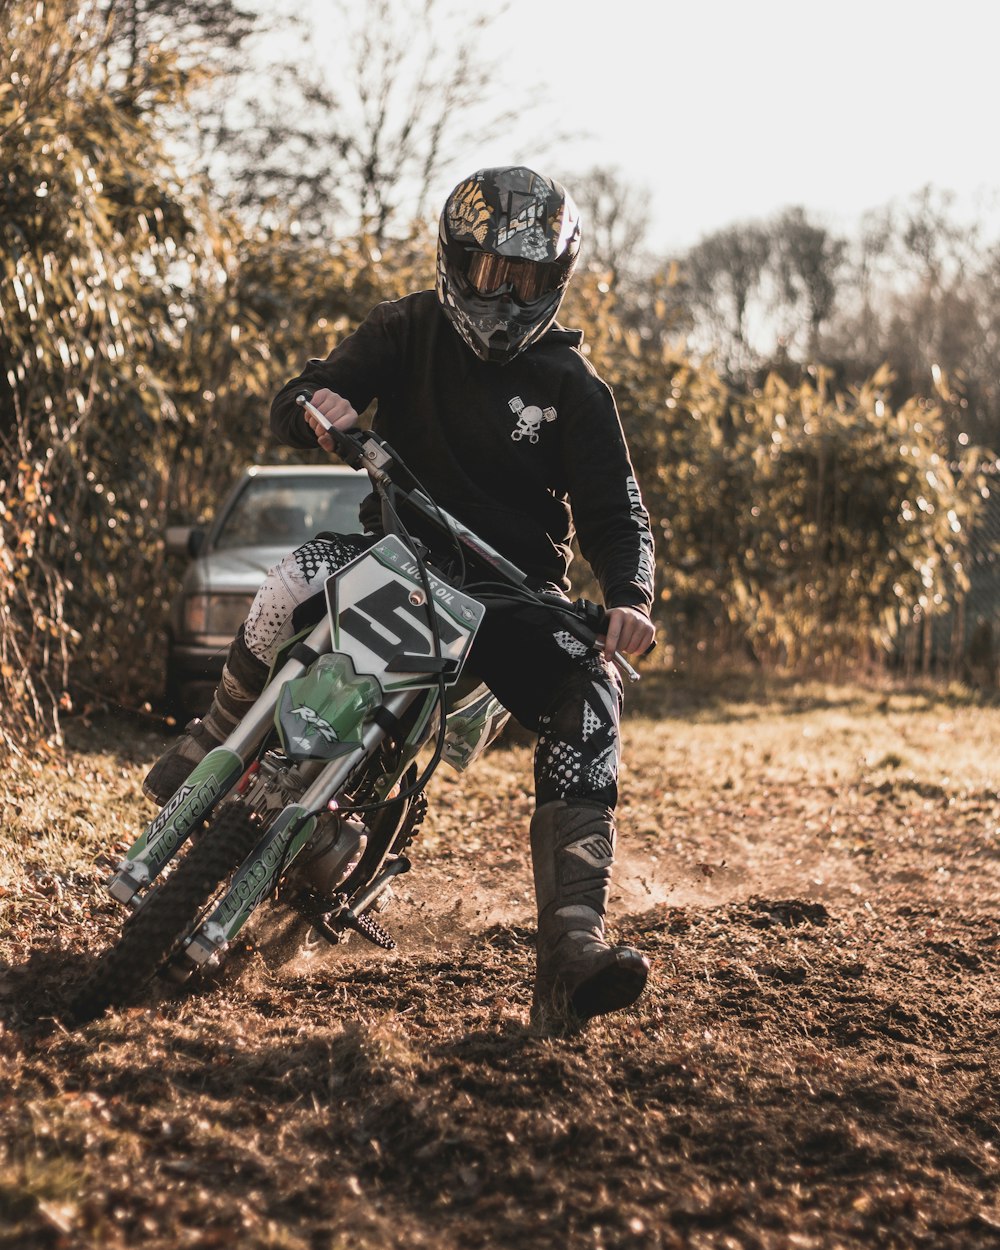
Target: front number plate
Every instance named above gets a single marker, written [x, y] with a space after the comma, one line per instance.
[379, 611]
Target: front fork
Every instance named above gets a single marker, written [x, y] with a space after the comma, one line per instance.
[291, 830]
[209, 781]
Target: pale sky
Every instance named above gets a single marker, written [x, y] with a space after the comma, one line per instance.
[732, 111]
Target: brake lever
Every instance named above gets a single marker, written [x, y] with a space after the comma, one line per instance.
[348, 448]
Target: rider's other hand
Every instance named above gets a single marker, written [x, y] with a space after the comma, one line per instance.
[629, 631]
[337, 410]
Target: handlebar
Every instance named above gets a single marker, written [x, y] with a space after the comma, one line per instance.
[362, 449]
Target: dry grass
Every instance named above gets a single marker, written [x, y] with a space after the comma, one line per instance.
[816, 874]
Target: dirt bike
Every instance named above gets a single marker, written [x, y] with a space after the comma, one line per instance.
[315, 797]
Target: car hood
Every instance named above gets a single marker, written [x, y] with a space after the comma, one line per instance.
[239, 569]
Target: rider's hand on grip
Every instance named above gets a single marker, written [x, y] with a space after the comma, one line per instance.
[340, 436]
[628, 630]
[325, 409]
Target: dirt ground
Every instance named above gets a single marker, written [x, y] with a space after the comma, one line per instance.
[815, 874]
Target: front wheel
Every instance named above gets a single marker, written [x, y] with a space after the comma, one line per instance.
[169, 913]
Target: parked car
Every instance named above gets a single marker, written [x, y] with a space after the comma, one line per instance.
[269, 511]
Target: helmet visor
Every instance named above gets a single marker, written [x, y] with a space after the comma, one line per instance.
[489, 273]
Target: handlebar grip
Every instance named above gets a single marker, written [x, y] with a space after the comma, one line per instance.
[596, 619]
[345, 444]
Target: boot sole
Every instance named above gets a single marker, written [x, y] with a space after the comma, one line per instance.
[614, 987]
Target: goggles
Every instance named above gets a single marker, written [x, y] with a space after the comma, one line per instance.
[529, 279]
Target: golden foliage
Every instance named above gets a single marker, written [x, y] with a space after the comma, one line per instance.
[144, 329]
[805, 524]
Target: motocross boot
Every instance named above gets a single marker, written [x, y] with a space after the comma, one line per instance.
[243, 678]
[579, 974]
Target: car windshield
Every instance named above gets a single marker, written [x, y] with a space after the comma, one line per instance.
[286, 511]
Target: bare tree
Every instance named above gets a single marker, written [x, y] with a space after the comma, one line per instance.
[199, 34]
[616, 217]
[808, 260]
[360, 127]
[724, 274]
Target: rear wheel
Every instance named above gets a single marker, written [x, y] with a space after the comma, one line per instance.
[169, 913]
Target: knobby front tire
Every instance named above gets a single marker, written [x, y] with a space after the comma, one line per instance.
[168, 915]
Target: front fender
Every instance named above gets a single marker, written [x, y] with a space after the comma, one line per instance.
[321, 714]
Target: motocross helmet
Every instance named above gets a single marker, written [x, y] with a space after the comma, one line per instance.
[507, 244]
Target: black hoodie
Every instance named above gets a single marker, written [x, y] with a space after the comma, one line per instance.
[505, 448]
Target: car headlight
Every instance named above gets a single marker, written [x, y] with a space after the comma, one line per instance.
[215, 618]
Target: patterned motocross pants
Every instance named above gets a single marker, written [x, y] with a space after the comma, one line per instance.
[571, 697]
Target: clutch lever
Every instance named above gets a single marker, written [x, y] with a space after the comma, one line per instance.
[621, 664]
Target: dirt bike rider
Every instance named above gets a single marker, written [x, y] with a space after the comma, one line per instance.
[503, 420]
